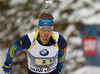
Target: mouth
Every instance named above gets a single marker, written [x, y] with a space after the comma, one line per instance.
[46, 36]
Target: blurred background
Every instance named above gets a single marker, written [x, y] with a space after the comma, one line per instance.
[77, 20]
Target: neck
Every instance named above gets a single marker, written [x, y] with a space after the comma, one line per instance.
[44, 41]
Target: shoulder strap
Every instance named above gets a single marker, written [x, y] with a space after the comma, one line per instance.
[35, 37]
[56, 44]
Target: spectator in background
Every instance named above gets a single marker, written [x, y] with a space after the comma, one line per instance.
[46, 49]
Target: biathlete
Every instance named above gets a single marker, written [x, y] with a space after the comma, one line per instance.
[46, 49]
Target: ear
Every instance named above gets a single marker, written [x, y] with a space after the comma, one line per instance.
[53, 28]
[38, 27]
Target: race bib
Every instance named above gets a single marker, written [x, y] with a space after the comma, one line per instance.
[43, 61]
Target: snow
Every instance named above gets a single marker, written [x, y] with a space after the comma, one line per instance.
[79, 4]
[75, 40]
[56, 14]
[71, 66]
[64, 16]
[18, 21]
[11, 11]
[82, 70]
[15, 2]
[68, 31]
[64, 4]
[93, 19]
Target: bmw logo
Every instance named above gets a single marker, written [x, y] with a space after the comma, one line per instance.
[44, 52]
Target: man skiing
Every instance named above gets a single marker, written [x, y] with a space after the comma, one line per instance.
[46, 49]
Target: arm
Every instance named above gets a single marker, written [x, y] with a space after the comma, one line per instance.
[20, 44]
[62, 52]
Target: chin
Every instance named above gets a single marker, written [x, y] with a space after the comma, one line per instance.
[46, 38]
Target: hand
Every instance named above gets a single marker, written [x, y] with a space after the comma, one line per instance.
[7, 67]
[60, 72]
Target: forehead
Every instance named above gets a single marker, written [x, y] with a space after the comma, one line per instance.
[46, 26]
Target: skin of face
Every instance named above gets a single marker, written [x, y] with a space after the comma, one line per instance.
[45, 35]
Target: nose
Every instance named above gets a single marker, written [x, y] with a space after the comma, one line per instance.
[46, 32]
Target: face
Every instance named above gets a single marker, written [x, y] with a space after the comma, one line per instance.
[45, 32]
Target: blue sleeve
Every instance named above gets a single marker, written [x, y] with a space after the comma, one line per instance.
[22, 43]
[62, 52]
[61, 42]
